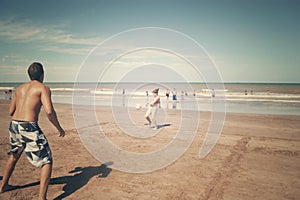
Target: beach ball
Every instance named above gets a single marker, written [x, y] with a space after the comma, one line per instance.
[138, 106]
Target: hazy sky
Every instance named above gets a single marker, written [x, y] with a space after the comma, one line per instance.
[250, 41]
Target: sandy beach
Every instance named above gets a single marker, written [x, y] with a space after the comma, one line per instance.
[256, 157]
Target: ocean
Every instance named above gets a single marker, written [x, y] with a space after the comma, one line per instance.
[258, 98]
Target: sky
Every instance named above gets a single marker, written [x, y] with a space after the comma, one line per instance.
[241, 41]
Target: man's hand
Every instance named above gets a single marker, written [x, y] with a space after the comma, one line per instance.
[61, 133]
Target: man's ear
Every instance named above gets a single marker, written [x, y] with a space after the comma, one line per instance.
[41, 78]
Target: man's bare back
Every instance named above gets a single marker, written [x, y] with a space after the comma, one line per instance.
[28, 101]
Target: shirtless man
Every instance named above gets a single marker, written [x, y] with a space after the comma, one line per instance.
[24, 131]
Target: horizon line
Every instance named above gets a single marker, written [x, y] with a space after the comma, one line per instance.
[192, 82]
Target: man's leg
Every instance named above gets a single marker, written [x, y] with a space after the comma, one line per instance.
[10, 166]
[46, 171]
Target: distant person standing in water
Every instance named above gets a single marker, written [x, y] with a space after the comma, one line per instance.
[152, 110]
[168, 93]
[213, 94]
[25, 133]
[123, 98]
[6, 94]
[167, 98]
[174, 93]
[10, 93]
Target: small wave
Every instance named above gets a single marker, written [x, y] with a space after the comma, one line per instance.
[7, 88]
[111, 92]
[68, 89]
[215, 90]
[264, 100]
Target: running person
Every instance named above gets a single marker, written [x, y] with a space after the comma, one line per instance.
[152, 110]
[24, 130]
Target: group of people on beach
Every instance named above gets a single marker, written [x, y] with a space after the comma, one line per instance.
[26, 135]
[8, 94]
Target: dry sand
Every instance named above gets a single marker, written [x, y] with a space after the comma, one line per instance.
[256, 157]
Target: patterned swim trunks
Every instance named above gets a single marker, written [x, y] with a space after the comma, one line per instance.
[29, 136]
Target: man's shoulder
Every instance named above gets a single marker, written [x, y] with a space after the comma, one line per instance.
[44, 87]
[36, 85]
[22, 86]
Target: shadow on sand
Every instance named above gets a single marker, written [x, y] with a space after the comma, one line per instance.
[162, 125]
[76, 181]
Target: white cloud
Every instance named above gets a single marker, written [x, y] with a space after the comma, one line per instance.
[27, 31]
[14, 59]
[67, 50]
[53, 72]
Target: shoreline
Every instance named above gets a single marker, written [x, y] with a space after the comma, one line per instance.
[197, 111]
[257, 157]
[7, 102]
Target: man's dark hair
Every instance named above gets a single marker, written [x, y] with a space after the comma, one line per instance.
[35, 71]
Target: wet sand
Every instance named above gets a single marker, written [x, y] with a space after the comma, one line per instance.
[256, 157]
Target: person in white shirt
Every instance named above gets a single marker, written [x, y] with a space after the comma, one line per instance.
[152, 110]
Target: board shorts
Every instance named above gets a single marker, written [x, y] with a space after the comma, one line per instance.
[174, 98]
[29, 137]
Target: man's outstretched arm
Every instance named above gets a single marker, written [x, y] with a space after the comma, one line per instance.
[12, 107]
[49, 109]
